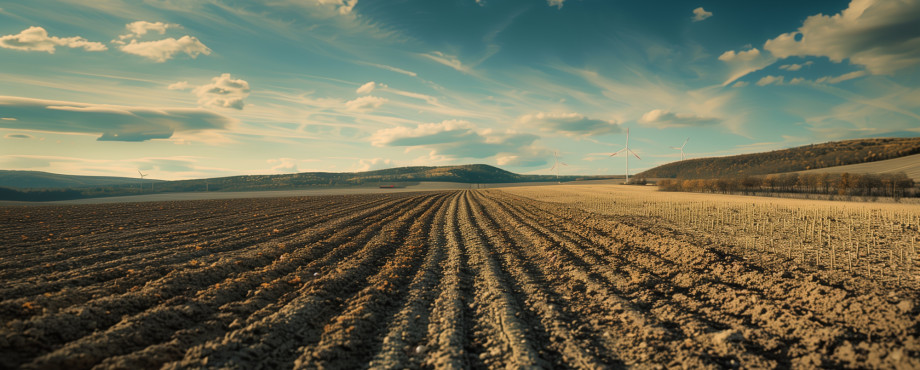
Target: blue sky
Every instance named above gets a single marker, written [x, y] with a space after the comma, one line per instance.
[205, 88]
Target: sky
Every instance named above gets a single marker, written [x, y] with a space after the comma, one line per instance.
[182, 89]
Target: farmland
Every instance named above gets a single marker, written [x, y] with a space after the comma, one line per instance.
[561, 276]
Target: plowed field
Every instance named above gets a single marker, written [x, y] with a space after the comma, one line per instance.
[440, 279]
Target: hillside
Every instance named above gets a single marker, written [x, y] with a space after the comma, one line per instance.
[473, 174]
[909, 165]
[801, 158]
[47, 180]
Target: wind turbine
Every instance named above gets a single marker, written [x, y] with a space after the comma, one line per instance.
[627, 151]
[142, 178]
[681, 148]
[556, 164]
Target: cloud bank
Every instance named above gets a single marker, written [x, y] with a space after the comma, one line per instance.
[882, 35]
[569, 124]
[454, 138]
[662, 118]
[113, 122]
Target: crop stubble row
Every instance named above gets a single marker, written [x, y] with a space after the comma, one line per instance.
[442, 279]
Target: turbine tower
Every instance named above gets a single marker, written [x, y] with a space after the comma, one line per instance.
[627, 151]
[681, 148]
[556, 164]
[142, 178]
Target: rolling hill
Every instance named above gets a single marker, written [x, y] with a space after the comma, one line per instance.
[42, 186]
[47, 180]
[909, 165]
[809, 157]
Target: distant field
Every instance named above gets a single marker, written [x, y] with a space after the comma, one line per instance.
[909, 165]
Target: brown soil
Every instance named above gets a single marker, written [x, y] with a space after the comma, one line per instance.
[457, 279]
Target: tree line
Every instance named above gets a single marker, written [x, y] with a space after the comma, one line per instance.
[896, 185]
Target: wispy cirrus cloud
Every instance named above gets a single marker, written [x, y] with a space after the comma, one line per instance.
[37, 39]
[112, 122]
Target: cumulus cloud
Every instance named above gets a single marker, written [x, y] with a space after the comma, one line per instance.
[700, 14]
[365, 103]
[454, 138]
[113, 122]
[223, 91]
[662, 118]
[366, 88]
[770, 80]
[881, 35]
[140, 28]
[37, 39]
[181, 85]
[556, 3]
[165, 49]
[570, 124]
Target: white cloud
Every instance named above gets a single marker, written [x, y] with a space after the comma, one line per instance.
[841, 78]
[556, 3]
[163, 50]
[770, 80]
[374, 164]
[700, 14]
[881, 35]
[795, 67]
[37, 39]
[740, 84]
[140, 28]
[365, 103]
[570, 124]
[283, 165]
[454, 138]
[366, 88]
[223, 91]
[343, 7]
[744, 62]
[181, 85]
[449, 60]
[662, 118]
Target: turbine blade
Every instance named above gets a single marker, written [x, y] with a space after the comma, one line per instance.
[634, 153]
[563, 163]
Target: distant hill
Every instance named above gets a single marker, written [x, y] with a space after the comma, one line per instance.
[801, 158]
[83, 187]
[47, 180]
[909, 165]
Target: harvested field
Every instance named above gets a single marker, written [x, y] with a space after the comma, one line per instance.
[451, 279]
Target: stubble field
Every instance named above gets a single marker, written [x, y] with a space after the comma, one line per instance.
[522, 277]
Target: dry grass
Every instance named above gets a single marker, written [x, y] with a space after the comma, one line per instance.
[873, 240]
